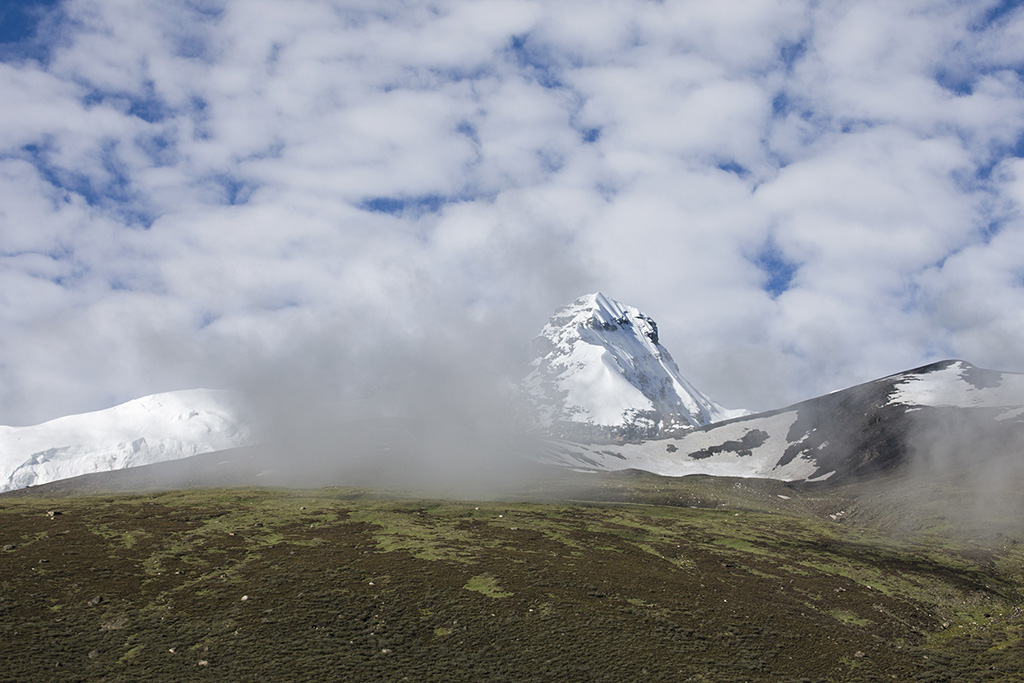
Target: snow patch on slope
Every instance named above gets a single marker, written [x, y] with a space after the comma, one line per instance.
[754, 447]
[960, 385]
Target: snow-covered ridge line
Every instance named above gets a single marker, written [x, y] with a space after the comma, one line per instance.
[150, 429]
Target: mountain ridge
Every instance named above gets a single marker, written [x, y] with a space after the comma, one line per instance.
[606, 396]
[863, 431]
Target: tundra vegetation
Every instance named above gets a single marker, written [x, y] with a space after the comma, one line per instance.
[592, 578]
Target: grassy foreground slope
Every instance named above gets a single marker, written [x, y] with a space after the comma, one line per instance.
[626, 577]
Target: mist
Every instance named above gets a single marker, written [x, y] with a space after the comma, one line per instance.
[966, 471]
[423, 400]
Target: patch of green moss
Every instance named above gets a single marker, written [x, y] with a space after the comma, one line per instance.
[487, 585]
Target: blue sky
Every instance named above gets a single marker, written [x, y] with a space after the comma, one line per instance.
[295, 194]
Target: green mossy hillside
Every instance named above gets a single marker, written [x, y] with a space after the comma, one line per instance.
[637, 578]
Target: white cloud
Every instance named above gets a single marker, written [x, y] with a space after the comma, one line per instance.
[804, 195]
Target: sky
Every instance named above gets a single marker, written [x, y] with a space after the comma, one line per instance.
[332, 199]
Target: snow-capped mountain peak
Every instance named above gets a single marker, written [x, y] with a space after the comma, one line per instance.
[600, 372]
[150, 429]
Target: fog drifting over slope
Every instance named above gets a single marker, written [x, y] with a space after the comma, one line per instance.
[980, 463]
[429, 402]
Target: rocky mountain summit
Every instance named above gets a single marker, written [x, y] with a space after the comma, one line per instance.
[600, 374]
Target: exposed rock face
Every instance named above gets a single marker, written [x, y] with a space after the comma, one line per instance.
[600, 374]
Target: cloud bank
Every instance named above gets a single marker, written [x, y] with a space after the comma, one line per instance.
[313, 197]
